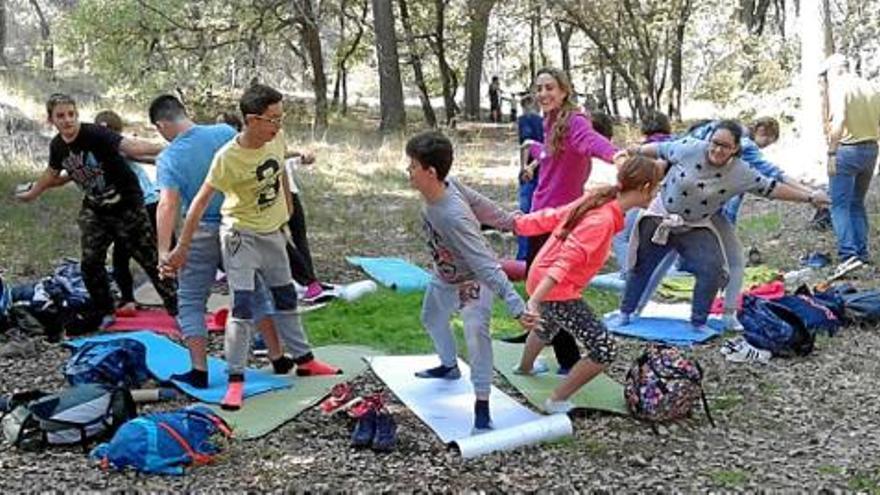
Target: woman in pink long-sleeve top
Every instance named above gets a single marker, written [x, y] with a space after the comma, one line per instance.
[566, 160]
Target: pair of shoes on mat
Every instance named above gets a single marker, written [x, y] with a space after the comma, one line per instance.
[375, 428]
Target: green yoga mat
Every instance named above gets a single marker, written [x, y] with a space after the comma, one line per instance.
[264, 413]
[601, 394]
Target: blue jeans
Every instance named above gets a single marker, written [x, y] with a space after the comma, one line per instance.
[196, 279]
[731, 208]
[701, 253]
[620, 247]
[848, 188]
[526, 191]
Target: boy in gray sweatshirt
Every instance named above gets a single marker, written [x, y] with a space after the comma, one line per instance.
[466, 271]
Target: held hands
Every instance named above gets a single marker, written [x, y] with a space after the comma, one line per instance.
[531, 317]
[819, 198]
[170, 263]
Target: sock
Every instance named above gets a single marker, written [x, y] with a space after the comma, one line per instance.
[438, 372]
[194, 377]
[282, 365]
[314, 367]
[482, 421]
[234, 393]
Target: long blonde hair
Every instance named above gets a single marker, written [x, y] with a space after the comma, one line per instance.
[566, 111]
[636, 173]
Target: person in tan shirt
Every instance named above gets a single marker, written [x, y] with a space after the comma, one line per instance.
[852, 129]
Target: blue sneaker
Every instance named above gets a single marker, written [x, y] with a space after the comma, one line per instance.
[364, 430]
[259, 346]
[386, 433]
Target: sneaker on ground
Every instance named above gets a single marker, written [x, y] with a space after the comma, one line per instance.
[385, 437]
[557, 406]
[731, 323]
[538, 368]
[732, 345]
[748, 353]
[362, 406]
[339, 396]
[313, 291]
[446, 373]
[364, 430]
[259, 346]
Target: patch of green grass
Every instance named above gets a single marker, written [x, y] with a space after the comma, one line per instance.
[865, 482]
[829, 469]
[389, 321]
[729, 478]
[35, 235]
[768, 387]
[595, 447]
[725, 402]
[760, 224]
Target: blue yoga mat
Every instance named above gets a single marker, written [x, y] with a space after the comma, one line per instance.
[394, 273]
[165, 357]
[608, 281]
[672, 331]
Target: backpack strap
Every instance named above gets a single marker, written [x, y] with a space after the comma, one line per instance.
[214, 419]
[706, 407]
[198, 459]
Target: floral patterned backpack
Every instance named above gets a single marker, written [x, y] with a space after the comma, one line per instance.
[663, 385]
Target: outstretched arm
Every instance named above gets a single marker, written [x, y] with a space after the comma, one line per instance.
[140, 150]
[787, 192]
[50, 178]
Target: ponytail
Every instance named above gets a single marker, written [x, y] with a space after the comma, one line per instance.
[594, 198]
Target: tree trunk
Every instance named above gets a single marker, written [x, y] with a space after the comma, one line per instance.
[311, 37]
[479, 25]
[448, 79]
[390, 87]
[676, 60]
[615, 108]
[46, 35]
[826, 25]
[415, 61]
[533, 63]
[340, 86]
[813, 51]
[3, 34]
[564, 34]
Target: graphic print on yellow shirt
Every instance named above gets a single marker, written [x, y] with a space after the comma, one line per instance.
[250, 180]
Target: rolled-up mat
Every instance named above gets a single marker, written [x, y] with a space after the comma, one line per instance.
[600, 394]
[608, 281]
[264, 413]
[165, 358]
[446, 407]
[394, 273]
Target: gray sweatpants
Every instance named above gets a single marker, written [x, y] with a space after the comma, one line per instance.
[246, 256]
[474, 301]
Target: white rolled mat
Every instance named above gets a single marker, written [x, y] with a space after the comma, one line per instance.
[446, 406]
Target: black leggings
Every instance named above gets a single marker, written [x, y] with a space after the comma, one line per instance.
[121, 258]
[564, 345]
[299, 255]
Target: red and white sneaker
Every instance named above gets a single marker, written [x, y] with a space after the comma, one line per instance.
[340, 399]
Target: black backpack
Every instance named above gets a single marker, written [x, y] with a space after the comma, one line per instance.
[74, 416]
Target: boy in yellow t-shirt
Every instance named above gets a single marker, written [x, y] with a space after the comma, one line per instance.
[249, 171]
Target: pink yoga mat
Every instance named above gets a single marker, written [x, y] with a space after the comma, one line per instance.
[770, 290]
[159, 321]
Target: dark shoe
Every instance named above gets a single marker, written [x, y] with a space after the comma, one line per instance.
[446, 373]
[821, 221]
[386, 432]
[364, 430]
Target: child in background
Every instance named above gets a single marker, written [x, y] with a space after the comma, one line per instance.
[529, 125]
[466, 272]
[121, 257]
[578, 247]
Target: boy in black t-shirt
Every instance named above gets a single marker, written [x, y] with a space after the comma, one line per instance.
[113, 205]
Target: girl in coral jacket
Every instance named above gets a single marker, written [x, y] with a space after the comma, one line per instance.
[578, 247]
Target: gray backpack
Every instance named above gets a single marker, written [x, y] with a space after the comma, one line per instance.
[74, 416]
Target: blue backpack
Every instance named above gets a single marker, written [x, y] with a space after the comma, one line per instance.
[813, 313]
[119, 363]
[773, 327]
[163, 443]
